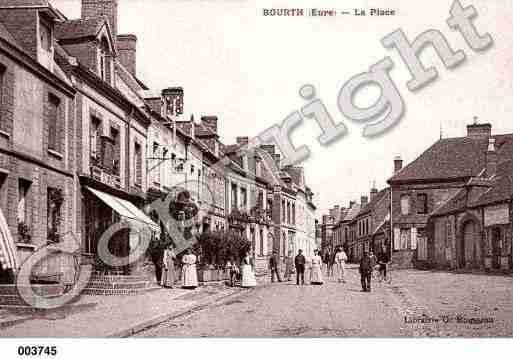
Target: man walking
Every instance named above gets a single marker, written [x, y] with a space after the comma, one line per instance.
[273, 265]
[299, 263]
[365, 272]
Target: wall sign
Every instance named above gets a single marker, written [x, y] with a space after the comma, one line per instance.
[496, 215]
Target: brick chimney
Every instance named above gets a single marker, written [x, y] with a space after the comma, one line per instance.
[173, 101]
[277, 159]
[126, 46]
[491, 158]
[479, 130]
[398, 163]
[373, 193]
[210, 122]
[242, 140]
[97, 8]
[364, 200]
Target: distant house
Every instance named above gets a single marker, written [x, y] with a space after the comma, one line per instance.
[436, 177]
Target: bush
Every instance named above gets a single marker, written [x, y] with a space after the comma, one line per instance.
[220, 246]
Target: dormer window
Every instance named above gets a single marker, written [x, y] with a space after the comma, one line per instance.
[105, 61]
[45, 43]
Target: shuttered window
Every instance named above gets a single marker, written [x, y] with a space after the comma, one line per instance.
[53, 122]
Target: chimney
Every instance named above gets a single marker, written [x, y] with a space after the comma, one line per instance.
[97, 8]
[351, 204]
[491, 158]
[479, 130]
[277, 158]
[210, 122]
[242, 140]
[373, 193]
[126, 46]
[398, 163]
[364, 200]
[193, 127]
[336, 211]
[173, 101]
[268, 148]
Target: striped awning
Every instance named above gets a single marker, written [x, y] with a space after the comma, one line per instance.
[8, 255]
[125, 209]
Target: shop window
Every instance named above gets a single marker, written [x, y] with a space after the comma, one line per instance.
[422, 203]
[54, 104]
[114, 133]
[405, 238]
[405, 204]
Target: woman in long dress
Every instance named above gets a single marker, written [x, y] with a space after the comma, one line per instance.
[168, 275]
[316, 271]
[248, 273]
[189, 274]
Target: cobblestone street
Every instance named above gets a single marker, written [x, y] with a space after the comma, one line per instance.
[333, 309]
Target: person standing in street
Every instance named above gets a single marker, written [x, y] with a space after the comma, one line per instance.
[327, 258]
[168, 275]
[273, 265]
[365, 272]
[189, 274]
[316, 271]
[248, 272]
[288, 266]
[299, 263]
[340, 261]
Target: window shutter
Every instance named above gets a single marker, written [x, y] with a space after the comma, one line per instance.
[414, 238]
[397, 238]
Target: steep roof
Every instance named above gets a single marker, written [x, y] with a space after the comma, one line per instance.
[453, 158]
[352, 212]
[500, 188]
[377, 198]
[79, 28]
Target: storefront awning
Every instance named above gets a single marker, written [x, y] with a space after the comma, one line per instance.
[124, 208]
[8, 256]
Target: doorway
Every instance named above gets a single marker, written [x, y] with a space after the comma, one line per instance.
[496, 247]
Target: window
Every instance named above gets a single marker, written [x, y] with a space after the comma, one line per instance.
[405, 204]
[138, 164]
[54, 202]
[53, 122]
[114, 133]
[288, 212]
[23, 205]
[234, 196]
[95, 144]
[243, 198]
[45, 36]
[261, 242]
[105, 61]
[404, 238]
[422, 203]
[253, 240]
[155, 167]
[284, 211]
[2, 77]
[293, 214]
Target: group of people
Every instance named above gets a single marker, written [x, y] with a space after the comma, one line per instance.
[168, 274]
[301, 264]
[333, 264]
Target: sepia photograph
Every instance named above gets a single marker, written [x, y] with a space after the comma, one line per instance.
[254, 169]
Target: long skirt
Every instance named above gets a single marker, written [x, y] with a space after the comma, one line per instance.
[168, 276]
[340, 271]
[316, 274]
[248, 276]
[189, 276]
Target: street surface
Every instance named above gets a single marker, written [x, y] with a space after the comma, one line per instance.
[450, 304]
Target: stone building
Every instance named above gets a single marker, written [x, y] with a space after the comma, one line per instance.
[37, 136]
[424, 186]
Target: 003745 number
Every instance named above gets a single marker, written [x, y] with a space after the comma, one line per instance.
[39, 350]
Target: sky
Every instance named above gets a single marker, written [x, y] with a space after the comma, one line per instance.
[247, 69]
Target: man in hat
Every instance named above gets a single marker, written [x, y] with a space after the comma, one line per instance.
[365, 272]
[299, 263]
[273, 265]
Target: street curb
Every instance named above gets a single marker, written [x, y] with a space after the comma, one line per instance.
[139, 327]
